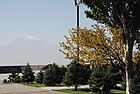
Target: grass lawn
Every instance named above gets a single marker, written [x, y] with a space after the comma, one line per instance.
[34, 84]
[28, 84]
[87, 91]
[117, 91]
[8, 83]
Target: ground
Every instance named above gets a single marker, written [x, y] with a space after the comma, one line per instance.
[22, 89]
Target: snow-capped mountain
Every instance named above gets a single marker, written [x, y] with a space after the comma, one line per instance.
[34, 51]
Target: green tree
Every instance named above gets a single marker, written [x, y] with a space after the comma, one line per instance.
[106, 77]
[76, 75]
[39, 77]
[53, 75]
[28, 74]
[86, 72]
[63, 70]
[124, 14]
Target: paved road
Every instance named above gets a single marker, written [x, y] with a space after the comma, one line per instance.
[22, 89]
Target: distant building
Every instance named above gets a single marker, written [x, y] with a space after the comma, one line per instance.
[18, 69]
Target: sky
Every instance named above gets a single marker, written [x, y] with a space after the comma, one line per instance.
[47, 20]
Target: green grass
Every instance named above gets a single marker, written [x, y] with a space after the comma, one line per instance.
[113, 91]
[87, 91]
[8, 83]
[28, 84]
[34, 84]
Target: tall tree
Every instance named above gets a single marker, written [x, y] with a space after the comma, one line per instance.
[124, 14]
[95, 45]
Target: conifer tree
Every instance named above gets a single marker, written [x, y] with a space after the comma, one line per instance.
[76, 74]
[28, 74]
[39, 77]
[52, 75]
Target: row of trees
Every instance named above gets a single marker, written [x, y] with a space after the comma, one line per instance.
[74, 74]
[52, 76]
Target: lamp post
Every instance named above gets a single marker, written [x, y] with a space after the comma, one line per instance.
[77, 3]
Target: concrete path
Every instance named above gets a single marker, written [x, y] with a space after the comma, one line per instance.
[22, 89]
[63, 87]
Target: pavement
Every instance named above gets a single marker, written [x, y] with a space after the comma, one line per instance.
[22, 89]
[63, 87]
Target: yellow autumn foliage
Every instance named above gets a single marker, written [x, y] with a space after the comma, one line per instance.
[98, 44]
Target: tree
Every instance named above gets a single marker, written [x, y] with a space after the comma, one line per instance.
[63, 70]
[97, 44]
[28, 74]
[76, 74]
[70, 47]
[105, 76]
[39, 77]
[53, 75]
[124, 14]
[86, 72]
[136, 59]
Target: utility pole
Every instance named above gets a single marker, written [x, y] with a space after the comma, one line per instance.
[77, 3]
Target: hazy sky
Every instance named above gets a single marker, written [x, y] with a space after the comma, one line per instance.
[43, 19]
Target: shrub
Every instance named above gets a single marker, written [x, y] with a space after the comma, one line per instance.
[5, 81]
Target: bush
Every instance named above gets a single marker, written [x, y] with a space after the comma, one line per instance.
[5, 81]
[14, 77]
[17, 79]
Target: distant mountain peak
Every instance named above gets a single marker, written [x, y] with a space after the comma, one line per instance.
[28, 37]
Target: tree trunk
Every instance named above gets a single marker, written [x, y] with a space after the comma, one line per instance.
[76, 87]
[129, 67]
